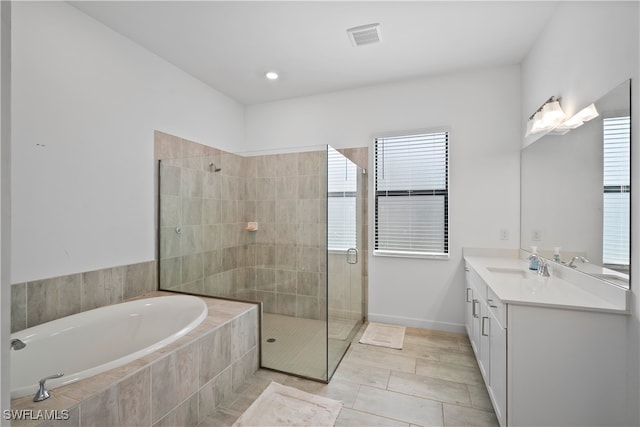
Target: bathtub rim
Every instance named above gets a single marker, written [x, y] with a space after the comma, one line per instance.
[71, 378]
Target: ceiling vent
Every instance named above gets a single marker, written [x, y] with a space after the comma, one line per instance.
[365, 34]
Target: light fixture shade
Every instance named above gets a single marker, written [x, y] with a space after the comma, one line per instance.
[588, 113]
[536, 124]
[552, 115]
[547, 118]
[581, 117]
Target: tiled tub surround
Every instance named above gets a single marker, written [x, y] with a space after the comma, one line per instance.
[40, 301]
[180, 384]
[95, 341]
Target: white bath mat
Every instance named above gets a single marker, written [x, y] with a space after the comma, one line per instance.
[279, 405]
[382, 335]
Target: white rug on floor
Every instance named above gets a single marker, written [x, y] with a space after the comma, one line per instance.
[279, 405]
[382, 335]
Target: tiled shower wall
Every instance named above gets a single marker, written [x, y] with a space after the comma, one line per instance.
[291, 248]
[204, 248]
[283, 263]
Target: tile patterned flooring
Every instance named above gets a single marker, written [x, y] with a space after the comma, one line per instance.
[433, 381]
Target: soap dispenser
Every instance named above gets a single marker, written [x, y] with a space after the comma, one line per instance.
[534, 259]
[556, 254]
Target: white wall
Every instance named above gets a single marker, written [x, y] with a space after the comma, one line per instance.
[482, 109]
[5, 202]
[589, 48]
[85, 104]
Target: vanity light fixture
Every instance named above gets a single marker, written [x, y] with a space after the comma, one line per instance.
[581, 117]
[271, 75]
[546, 118]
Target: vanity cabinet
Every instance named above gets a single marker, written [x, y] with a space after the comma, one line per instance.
[498, 373]
[545, 364]
[488, 339]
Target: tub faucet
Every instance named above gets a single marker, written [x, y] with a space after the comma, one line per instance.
[17, 344]
[573, 260]
[43, 393]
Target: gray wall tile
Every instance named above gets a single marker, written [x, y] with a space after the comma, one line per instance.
[18, 307]
[52, 299]
[102, 287]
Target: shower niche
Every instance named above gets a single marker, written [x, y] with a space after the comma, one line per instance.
[303, 260]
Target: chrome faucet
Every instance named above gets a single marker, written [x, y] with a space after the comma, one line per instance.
[573, 260]
[43, 393]
[543, 268]
[17, 344]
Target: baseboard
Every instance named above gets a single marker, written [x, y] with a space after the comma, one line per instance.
[417, 323]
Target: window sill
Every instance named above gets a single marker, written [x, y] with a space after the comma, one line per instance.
[437, 257]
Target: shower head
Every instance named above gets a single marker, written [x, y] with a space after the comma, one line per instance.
[214, 168]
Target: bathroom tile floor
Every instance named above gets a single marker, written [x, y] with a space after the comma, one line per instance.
[433, 381]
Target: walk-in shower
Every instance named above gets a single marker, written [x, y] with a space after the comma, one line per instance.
[285, 230]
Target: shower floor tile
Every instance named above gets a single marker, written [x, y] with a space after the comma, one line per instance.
[299, 346]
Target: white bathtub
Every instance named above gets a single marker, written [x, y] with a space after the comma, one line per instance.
[95, 341]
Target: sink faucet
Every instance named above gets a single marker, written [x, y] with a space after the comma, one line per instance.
[17, 344]
[543, 268]
[578, 257]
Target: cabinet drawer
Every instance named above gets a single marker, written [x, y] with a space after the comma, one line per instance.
[497, 307]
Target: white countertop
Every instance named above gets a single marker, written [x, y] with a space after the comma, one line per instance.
[535, 290]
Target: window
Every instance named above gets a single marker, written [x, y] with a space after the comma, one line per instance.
[341, 201]
[412, 195]
[617, 186]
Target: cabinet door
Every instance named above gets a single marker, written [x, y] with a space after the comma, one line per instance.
[474, 337]
[498, 374]
[472, 312]
[484, 361]
[468, 309]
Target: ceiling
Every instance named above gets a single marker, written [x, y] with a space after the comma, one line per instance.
[230, 45]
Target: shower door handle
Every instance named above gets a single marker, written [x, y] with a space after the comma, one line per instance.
[352, 256]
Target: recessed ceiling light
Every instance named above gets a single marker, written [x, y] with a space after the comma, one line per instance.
[271, 75]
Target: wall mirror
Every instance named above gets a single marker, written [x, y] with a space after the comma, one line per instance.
[576, 192]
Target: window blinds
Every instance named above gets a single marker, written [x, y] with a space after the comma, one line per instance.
[342, 187]
[617, 183]
[411, 194]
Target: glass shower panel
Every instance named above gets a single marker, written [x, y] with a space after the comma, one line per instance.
[206, 246]
[344, 266]
[291, 262]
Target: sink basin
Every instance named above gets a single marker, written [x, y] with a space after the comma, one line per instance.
[505, 271]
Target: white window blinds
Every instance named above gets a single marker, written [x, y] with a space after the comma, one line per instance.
[411, 195]
[617, 185]
[342, 187]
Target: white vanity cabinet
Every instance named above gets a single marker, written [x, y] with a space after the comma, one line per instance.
[488, 339]
[498, 373]
[550, 353]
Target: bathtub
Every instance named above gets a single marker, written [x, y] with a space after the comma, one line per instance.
[94, 341]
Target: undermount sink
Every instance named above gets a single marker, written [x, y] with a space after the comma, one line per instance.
[506, 271]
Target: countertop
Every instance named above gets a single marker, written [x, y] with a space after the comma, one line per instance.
[519, 285]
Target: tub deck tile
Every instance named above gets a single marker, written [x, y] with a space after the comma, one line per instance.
[79, 396]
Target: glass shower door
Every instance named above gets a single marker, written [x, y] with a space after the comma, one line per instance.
[344, 260]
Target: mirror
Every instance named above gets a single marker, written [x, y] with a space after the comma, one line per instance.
[575, 192]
